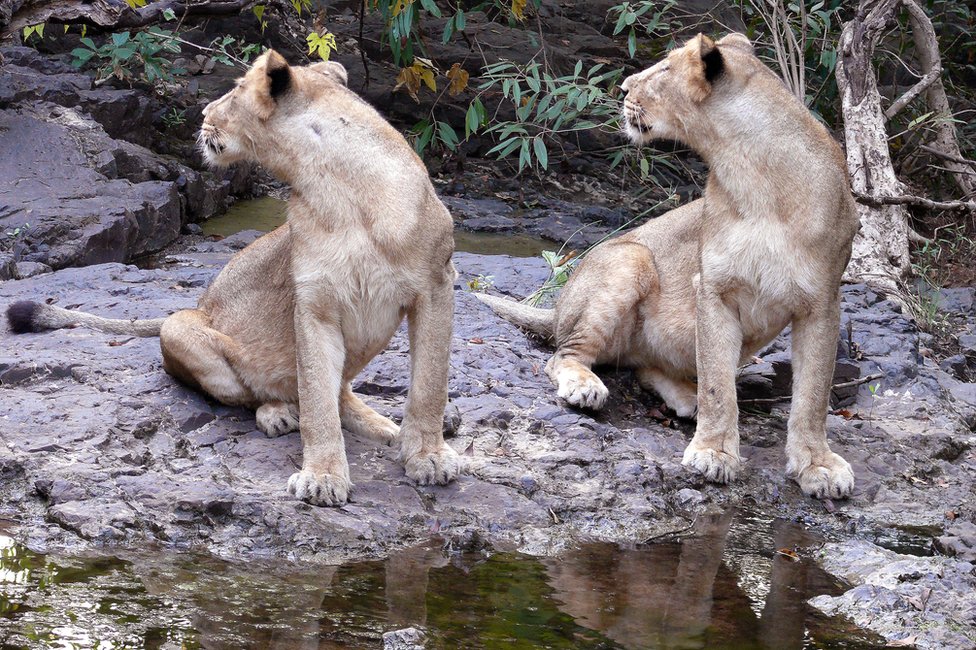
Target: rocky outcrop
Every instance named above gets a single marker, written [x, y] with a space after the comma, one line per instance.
[80, 186]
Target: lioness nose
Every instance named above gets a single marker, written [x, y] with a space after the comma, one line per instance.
[206, 109]
[625, 86]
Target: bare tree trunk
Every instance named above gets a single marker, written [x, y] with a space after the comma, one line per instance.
[929, 58]
[880, 256]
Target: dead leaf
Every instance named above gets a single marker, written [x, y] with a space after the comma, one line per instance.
[518, 9]
[907, 642]
[476, 340]
[952, 515]
[118, 342]
[469, 451]
[566, 258]
[458, 77]
[409, 79]
[829, 506]
[785, 552]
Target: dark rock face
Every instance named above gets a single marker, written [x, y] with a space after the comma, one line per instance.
[84, 190]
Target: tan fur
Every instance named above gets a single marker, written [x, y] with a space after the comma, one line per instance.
[765, 248]
[295, 316]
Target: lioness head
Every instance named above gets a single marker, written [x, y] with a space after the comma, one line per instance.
[261, 118]
[659, 97]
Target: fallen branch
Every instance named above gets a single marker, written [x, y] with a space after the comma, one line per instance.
[907, 199]
[782, 398]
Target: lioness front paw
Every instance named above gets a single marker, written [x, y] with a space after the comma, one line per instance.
[320, 489]
[437, 467]
[833, 479]
[582, 389]
[715, 465]
[276, 418]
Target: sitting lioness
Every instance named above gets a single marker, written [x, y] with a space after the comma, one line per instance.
[702, 288]
[296, 315]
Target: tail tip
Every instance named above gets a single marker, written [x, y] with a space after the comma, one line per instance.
[21, 315]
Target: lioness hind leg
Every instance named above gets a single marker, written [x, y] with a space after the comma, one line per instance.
[277, 418]
[361, 420]
[574, 380]
[820, 472]
[197, 355]
[595, 314]
[680, 395]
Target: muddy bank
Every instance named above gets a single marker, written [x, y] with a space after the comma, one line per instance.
[100, 447]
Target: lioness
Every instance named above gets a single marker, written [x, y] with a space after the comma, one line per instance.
[766, 247]
[296, 315]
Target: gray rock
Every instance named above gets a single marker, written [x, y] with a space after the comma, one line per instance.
[409, 638]
[30, 269]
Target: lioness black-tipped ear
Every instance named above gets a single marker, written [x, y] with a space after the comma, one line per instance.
[711, 57]
[279, 74]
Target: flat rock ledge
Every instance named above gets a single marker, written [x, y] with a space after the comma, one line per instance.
[99, 447]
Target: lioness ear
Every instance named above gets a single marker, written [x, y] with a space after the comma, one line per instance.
[278, 74]
[735, 39]
[712, 62]
[269, 78]
[332, 69]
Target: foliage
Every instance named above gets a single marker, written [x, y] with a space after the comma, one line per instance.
[651, 18]
[481, 283]
[230, 51]
[402, 20]
[322, 45]
[30, 30]
[124, 54]
[174, 118]
[801, 41]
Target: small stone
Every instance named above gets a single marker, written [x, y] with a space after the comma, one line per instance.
[409, 638]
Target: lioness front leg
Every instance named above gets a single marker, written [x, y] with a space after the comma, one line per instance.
[714, 451]
[820, 472]
[324, 477]
[426, 457]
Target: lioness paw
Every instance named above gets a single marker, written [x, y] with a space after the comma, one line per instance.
[436, 467]
[319, 490]
[716, 466]
[833, 479]
[277, 418]
[582, 389]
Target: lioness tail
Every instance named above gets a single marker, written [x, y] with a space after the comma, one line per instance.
[28, 316]
[534, 319]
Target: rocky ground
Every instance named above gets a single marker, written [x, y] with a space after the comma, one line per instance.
[101, 447]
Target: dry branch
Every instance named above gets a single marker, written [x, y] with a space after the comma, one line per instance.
[908, 199]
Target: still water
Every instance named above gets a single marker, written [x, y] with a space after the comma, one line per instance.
[266, 214]
[722, 587]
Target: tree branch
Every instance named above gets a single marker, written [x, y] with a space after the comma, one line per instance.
[927, 80]
[945, 156]
[907, 199]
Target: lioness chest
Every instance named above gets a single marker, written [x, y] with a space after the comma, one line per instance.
[761, 274]
[348, 278]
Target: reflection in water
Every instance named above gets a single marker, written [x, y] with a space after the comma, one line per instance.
[723, 587]
[266, 214]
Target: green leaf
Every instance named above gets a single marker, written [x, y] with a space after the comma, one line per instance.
[621, 23]
[447, 135]
[525, 155]
[505, 147]
[87, 42]
[632, 43]
[471, 121]
[169, 14]
[120, 38]
[645, 167]
[431, 8]
[541, 153]
[459, 20]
